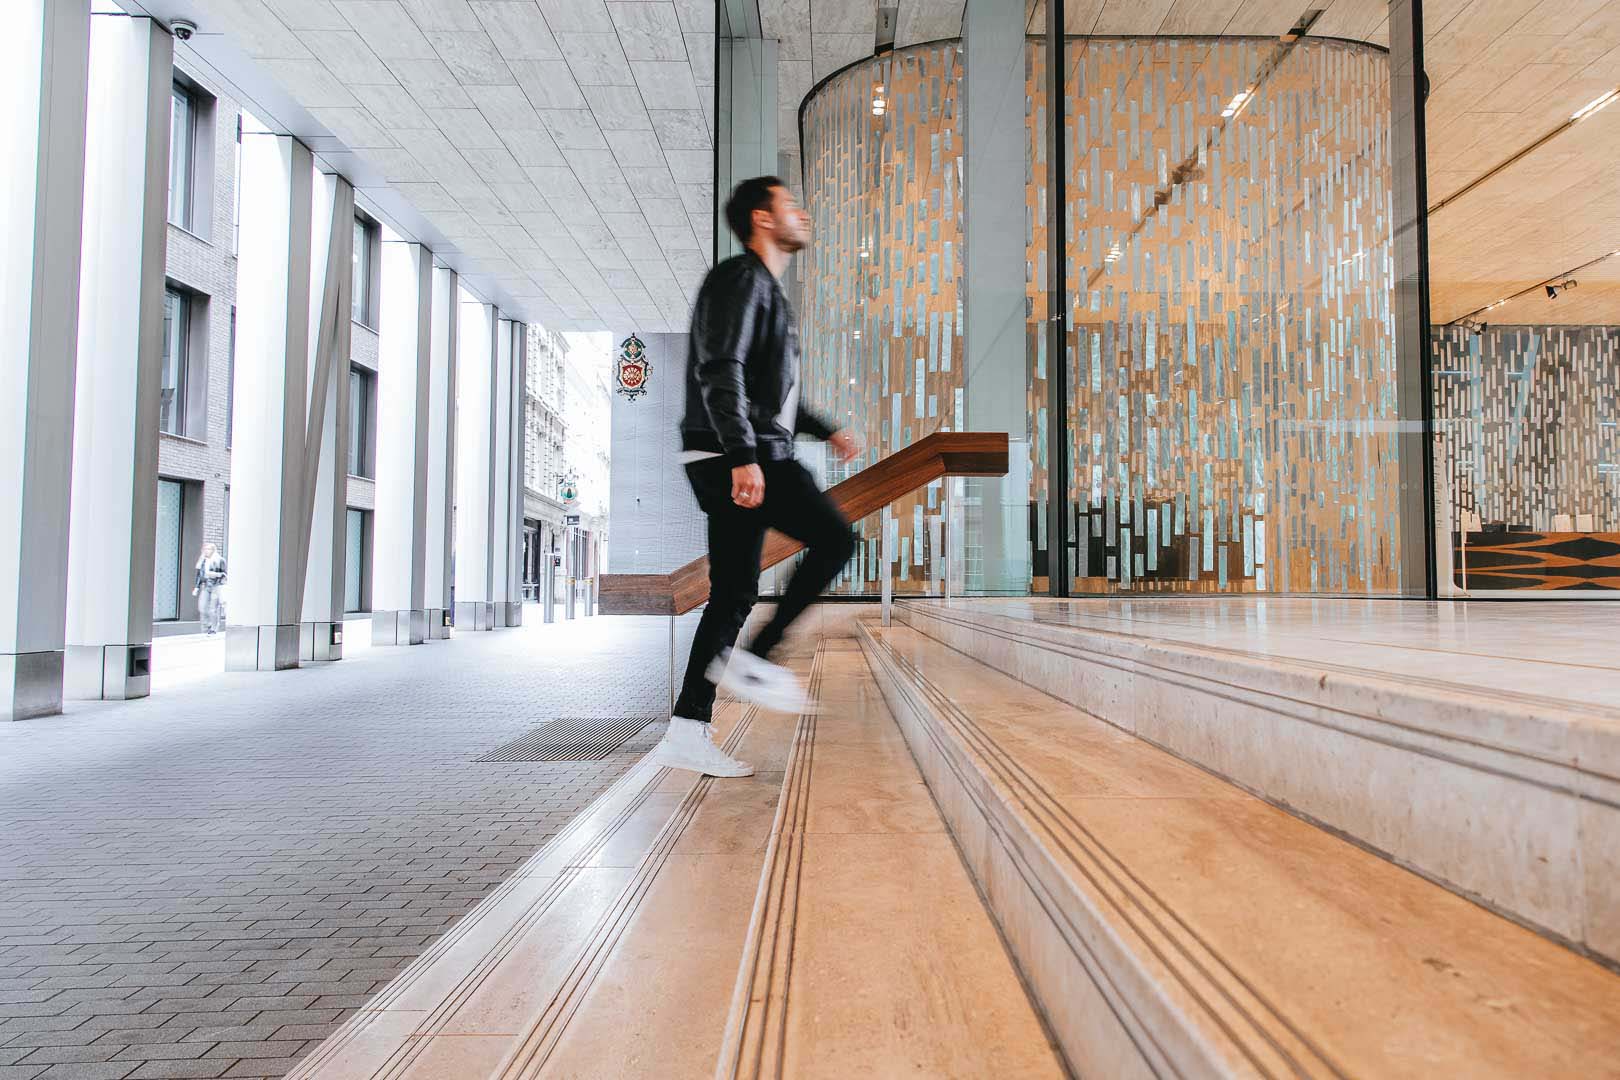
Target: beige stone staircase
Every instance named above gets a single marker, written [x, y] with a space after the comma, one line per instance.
[946, 872]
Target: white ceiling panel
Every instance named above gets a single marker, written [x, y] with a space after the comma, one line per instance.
[596, 59]
[648, 31]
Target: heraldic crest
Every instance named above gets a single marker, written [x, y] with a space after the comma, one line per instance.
[632, 367]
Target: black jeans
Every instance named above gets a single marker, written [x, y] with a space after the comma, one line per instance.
[793, 505]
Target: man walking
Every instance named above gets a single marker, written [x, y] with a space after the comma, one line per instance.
[742, 413]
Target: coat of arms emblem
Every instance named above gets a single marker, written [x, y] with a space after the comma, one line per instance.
[632, 367]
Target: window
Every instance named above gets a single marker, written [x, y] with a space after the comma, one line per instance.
[182, 154]
[362, 446]
[236, 190]
[166, 575]
[176, 362]
[230, 385]
[357, 562]
[365, 253]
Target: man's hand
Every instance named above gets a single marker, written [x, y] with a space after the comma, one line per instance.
[845, 444]
[747, 486]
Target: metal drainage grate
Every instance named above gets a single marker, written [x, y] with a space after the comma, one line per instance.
[571, 738]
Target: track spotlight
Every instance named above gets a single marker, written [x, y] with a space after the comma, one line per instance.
[1561, 287]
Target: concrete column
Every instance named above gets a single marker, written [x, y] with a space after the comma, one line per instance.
[44, 59]
[996, 136]
[441, 452]
[272, 372]
[399, 547]
[326, 435]
[111, 539]
[515, 337]
[477, 405]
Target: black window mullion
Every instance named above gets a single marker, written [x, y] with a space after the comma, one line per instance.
[1057, 368]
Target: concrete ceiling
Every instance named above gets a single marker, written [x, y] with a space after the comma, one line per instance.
[562, 148]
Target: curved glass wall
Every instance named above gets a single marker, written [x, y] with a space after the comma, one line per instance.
[1229, 347]
[882, 316]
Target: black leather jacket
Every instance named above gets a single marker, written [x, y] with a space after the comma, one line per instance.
[743, 361]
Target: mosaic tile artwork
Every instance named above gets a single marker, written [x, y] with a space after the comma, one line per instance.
[882, 318]
[1527, 444]
[1230, 348]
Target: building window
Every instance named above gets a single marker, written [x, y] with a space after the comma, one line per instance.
[362, 444]
[230, 384]
[365, 261]
[166, 569]
[176, 362]
[182, 154]
[357, 562]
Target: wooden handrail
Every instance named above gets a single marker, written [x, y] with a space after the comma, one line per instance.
[942, 454]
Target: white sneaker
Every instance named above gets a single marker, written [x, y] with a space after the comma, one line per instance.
[742, 674]
[688, 744]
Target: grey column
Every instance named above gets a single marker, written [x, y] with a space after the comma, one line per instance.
[399, 544]
[511, 536]
[996, 136]
[1413, 367]
[44, 59]
[112, 540]
[441, 459]
[325, 476]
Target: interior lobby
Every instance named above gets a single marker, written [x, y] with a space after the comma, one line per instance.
[1223, 683]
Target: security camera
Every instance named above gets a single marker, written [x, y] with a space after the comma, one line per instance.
[183, 29]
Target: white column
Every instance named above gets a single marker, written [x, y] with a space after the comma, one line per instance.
[111, 540]
[399, 547]
[441, 453]
[509, 463]
[44, 57]
[325, 465]
[272, 370]
[477, 393]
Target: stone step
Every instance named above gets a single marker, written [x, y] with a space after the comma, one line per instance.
[869, 953]
[813, 920]
[1169, 923]
[1469, 747]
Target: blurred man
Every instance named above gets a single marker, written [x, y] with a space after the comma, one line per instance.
[742, 413]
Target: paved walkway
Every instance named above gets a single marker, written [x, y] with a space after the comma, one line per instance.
[206, 882]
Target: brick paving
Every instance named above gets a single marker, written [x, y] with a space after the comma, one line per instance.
[207, 882]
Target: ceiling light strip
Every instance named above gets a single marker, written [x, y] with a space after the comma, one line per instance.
[1585, 111]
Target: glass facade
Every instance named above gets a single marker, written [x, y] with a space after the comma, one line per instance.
[167, 577]
[1217, 404]
[362, 302]
[182, 154]
[1525, 318]
[172, 396]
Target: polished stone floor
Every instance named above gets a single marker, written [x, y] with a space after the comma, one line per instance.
[208, 881]
[1562, 651]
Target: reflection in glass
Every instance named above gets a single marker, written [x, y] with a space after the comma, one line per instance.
[176, 345]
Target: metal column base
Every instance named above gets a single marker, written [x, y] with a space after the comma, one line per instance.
[30, 684]
[320, 641]
[405, 627]
[107, 672]
[475, 615]
[261, 648]
[438, 624]
[510, 612]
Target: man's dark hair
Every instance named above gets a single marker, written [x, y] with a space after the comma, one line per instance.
[748, 196]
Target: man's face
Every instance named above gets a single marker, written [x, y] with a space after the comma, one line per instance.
[788, 223]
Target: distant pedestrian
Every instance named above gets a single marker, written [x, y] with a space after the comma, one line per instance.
[210, 589]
